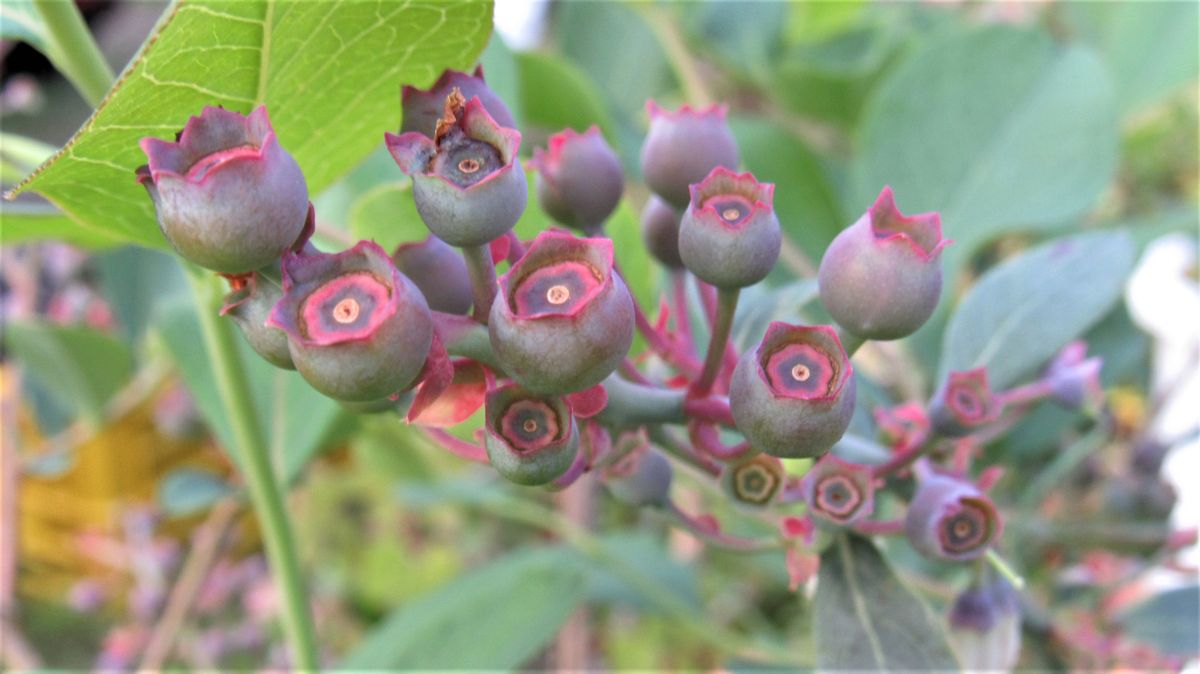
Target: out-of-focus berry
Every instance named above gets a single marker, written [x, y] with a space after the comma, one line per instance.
[439, 271]
[579, 180]
[964, 403]
[949, 518]
[754, 481]
[839, 492]
[684, 146]
[660, 232]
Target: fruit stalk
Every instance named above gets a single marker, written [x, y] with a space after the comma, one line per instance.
[483, 279]
[727, 299]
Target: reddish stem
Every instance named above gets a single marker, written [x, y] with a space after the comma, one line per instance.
[713, 409]
[457, 446]
[1022, 395]
[708, 440]
[661, 344]
[880, 527]
[704, 532]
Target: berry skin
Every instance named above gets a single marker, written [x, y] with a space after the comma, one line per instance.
[1073, 379]
[839, 493]
[754, 481]
[227, 196]
[682, 147]
[580, 179]
[439, 271]
[963, 404]
[729, 235]
[644, 481]
[951, 519]
[660, 232]
[358, 330]
[793, 396]
[985, 626]
[423, 107]
[563, 320]
[467, 183]
[249, 304]
[530, 439]
[882, 276]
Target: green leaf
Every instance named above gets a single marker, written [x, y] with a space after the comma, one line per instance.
[24, 222]
[996, 128]
[79, 366]
[645, 553]
[1168, 621]
[1150, 47]
[866, 619]
[1023, 311]
[555, 94]
[748, 35]
[495, 618]
[136, 282]
[638, 269]
[328, 71]
[387, 215]
[188, 491]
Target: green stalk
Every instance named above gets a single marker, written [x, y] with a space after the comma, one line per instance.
[265, 495]
[73, 49]
[726, 306]
[483, 279]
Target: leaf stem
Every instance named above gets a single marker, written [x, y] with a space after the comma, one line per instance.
[483, 279]
[73, 49]
[1001, 567]
[265, 495]
[726, 306]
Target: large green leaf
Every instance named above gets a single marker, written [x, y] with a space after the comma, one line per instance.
[866, 619]
[1023, 311]
[556, 95]
[495, 618]
[329, 72]
[996, 128]
[1170, 621]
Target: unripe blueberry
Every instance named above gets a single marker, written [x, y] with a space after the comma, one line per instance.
[660, 232]
[467, 183]
[985, 627]
[963, 404]
[643, 480]
[423, 107]
[579, 180]
[1074, 380]
[563, 320]
[249, 303]
[729, 235]
[882, 276]
[793, 396]
[530, 439]
[357, 328]
[682, 147]
[754, 481]
[439, 271]
[950, 518]
[838, 492]
[228, 197]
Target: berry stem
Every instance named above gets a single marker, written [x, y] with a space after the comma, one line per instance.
[73, 50]
[460, 448]
[483, 279]
[255, 461]
[880, 527]
[722, 324]
[850, 341]
[700, 530]
[683, 315]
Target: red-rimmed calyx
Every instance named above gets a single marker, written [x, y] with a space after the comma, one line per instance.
[1073, 379]
[580, 180]
[754, 481]
[357, 328]
[562, 320]
[423, 107]
[439, 271]
[950, 518]
[467, 183]
[227, 196]
[249, 303]
[964, 403]
[882, 276]
[729, 235]
[660, 231]
[793, 395]
[530, 439]
[839, 492]
[683, 146]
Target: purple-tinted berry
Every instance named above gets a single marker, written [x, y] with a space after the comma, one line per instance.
[985, 627]
[579, 180]
[228, 197]
[882, 276]
[644, 480]
[660, 232]
[249, 304]
[793, 396]
[423, 107]
[530, 439]
[358, 329]
[950, 518]
[439, 271]
[563, 320]
[1073, 378]
[729, 235]
[963, 404]
[839, 492]
[682, 147]
[467, 183]
[754, 481]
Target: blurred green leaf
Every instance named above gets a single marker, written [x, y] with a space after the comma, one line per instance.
[556, 95]
[503, 76]
[747, 35]
[1023, 311]
[866, 619]
[496, 618]
[1150, 47]
[759, 305]
[647, 554]
[136, 282]
[27, 222]
[818, 21]
[638, 269]
[1169, 621]
[328, 72]
[79, 366]
[188, 491]
[996, 128]
[387, 215]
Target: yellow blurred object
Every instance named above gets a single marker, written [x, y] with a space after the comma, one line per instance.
[1128, 409]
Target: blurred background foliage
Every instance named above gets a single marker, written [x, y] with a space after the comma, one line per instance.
[1019, 122]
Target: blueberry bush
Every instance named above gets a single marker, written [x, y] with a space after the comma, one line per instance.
[711, 335]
